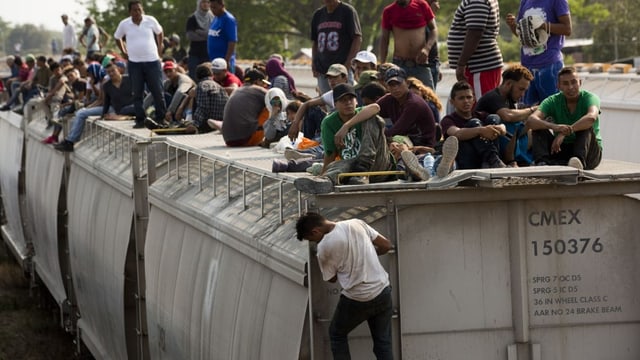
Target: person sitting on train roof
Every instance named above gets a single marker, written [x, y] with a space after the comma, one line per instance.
[503, 101]
[410, 115]
[245, 113]
[206, 102]
[308, 159]
[116, 103]
[477, 132]
[363, 148]
[566, 126]
[221, 74]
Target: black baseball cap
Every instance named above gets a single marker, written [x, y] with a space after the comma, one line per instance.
[395, 74]
[342, 90]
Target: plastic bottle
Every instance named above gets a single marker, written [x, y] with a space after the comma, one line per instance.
[427, 162]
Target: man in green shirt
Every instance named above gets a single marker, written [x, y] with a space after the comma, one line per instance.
[566, 126]
[363, 148]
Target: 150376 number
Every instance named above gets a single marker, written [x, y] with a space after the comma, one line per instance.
[571, 246]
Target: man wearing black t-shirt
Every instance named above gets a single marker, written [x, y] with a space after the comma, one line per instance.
[336, 36]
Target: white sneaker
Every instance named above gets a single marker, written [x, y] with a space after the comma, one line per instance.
[414, 168]
[574, 162]
[449, 153]
[291, 154]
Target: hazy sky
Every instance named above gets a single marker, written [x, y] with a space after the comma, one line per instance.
[45, 13]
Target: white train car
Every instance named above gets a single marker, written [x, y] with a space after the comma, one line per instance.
[181, 248]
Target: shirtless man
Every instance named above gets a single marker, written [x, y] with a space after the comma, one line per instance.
[411, 44]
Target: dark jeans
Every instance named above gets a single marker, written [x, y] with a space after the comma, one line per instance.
[30, 94]
[585, 147]
[435, 75]
[194, 61]
[476, 152]
[149, 73]
[312, 120]
[350, 313]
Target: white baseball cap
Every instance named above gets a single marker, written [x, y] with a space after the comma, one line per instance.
[219, 64]
[366, 57]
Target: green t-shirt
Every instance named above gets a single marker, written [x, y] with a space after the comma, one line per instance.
[556, 107]
[328, 129]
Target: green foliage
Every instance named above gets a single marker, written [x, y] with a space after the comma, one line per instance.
[264, 24]
[4, 31]
[589, 11]
[510, 49]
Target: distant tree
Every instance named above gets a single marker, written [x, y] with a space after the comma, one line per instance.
[263, 25]
[4, 31]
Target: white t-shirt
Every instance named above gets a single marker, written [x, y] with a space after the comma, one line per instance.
[348, 252]
[69, 38]
[328, 100]
[92, 38]
[141, 39]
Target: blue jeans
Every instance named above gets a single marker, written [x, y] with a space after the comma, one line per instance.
[421, 72]
[149, 73]
[81, 118]
[350, 313]
[545, 80]
[78, 122]
[29, 94]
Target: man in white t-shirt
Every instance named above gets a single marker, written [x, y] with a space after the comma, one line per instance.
[69, 39]
[139, 38]
[348, 252]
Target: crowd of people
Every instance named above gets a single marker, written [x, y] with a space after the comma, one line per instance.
[372, 115]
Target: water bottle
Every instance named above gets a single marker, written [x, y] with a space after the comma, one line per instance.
[428, 162]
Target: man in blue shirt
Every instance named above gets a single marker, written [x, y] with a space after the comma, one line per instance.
[223, 35]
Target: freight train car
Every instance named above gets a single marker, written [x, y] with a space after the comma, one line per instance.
[178, 247]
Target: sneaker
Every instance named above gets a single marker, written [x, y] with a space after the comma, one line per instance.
[414, 168]
[357, 180]
[151, 124]
[65, 146]
[494, 163]
[574, 162]
[291, 154]
[53, 139]
[279, 166]
[314, 185]
[139, 126]
[314, 169]
[5, 108]
[449, 153]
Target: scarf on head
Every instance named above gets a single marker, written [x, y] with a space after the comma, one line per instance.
[274, 68]
[204, 18]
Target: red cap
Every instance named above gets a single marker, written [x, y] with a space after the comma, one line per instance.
[169, 65]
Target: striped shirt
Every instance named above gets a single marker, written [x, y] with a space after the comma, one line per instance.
[476, 14]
